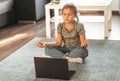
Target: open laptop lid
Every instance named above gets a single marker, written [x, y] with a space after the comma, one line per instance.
[56, 68]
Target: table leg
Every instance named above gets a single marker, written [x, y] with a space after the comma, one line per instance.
[56, 20]
[106, 28]
[110, 18]
[47, 18]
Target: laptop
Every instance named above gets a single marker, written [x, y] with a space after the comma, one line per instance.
[55, 68]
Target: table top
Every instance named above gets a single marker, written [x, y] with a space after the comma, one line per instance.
[83, 2]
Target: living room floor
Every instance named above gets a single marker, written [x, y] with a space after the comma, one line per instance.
[14, 36]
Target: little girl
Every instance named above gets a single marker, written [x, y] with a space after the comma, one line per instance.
[71, 41]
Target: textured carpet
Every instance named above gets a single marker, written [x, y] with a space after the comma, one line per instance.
[102, 64]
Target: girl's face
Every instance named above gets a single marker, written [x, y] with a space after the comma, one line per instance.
[68, 15]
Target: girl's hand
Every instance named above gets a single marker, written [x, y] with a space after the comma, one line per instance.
[83, 41]
[84, 44]
[41, 44]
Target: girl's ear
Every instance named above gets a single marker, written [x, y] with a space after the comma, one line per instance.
[77, 18]
[75, 15]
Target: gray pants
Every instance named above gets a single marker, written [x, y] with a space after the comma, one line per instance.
[59, 52]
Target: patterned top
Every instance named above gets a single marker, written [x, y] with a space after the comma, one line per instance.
[71, 38]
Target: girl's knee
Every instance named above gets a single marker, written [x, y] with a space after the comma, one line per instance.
[84, 52]
[48, 49]
[79, 52]
[53, 52]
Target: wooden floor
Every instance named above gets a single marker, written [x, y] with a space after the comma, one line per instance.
[14, 36]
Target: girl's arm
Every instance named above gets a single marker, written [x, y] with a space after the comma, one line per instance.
[83, 41]
[57, 43]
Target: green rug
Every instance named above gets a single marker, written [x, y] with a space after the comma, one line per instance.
[102, 64]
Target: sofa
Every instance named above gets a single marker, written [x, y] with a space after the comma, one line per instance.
[30, 10]
[14, 10]
[7, 12]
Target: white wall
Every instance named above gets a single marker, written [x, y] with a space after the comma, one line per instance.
[115, 5]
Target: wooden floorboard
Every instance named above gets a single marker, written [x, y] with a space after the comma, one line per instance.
[14, 36]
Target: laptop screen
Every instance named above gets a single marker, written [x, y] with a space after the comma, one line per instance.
[56, 68]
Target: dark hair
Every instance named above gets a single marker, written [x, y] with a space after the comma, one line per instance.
[72, 7]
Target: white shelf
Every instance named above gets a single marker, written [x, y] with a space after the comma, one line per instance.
[82, 19]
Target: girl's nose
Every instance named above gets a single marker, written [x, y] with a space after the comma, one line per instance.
[67, 16]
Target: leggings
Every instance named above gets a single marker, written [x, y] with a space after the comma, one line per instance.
[59, 52]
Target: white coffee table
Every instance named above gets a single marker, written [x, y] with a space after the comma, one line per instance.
[96, 5]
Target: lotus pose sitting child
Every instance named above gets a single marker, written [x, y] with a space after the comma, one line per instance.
[71, 41]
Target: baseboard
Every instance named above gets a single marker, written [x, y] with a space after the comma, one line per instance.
[34, 22]
[115, 12]
[97, 12]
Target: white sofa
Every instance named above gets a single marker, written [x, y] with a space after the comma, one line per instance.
[7, 13]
